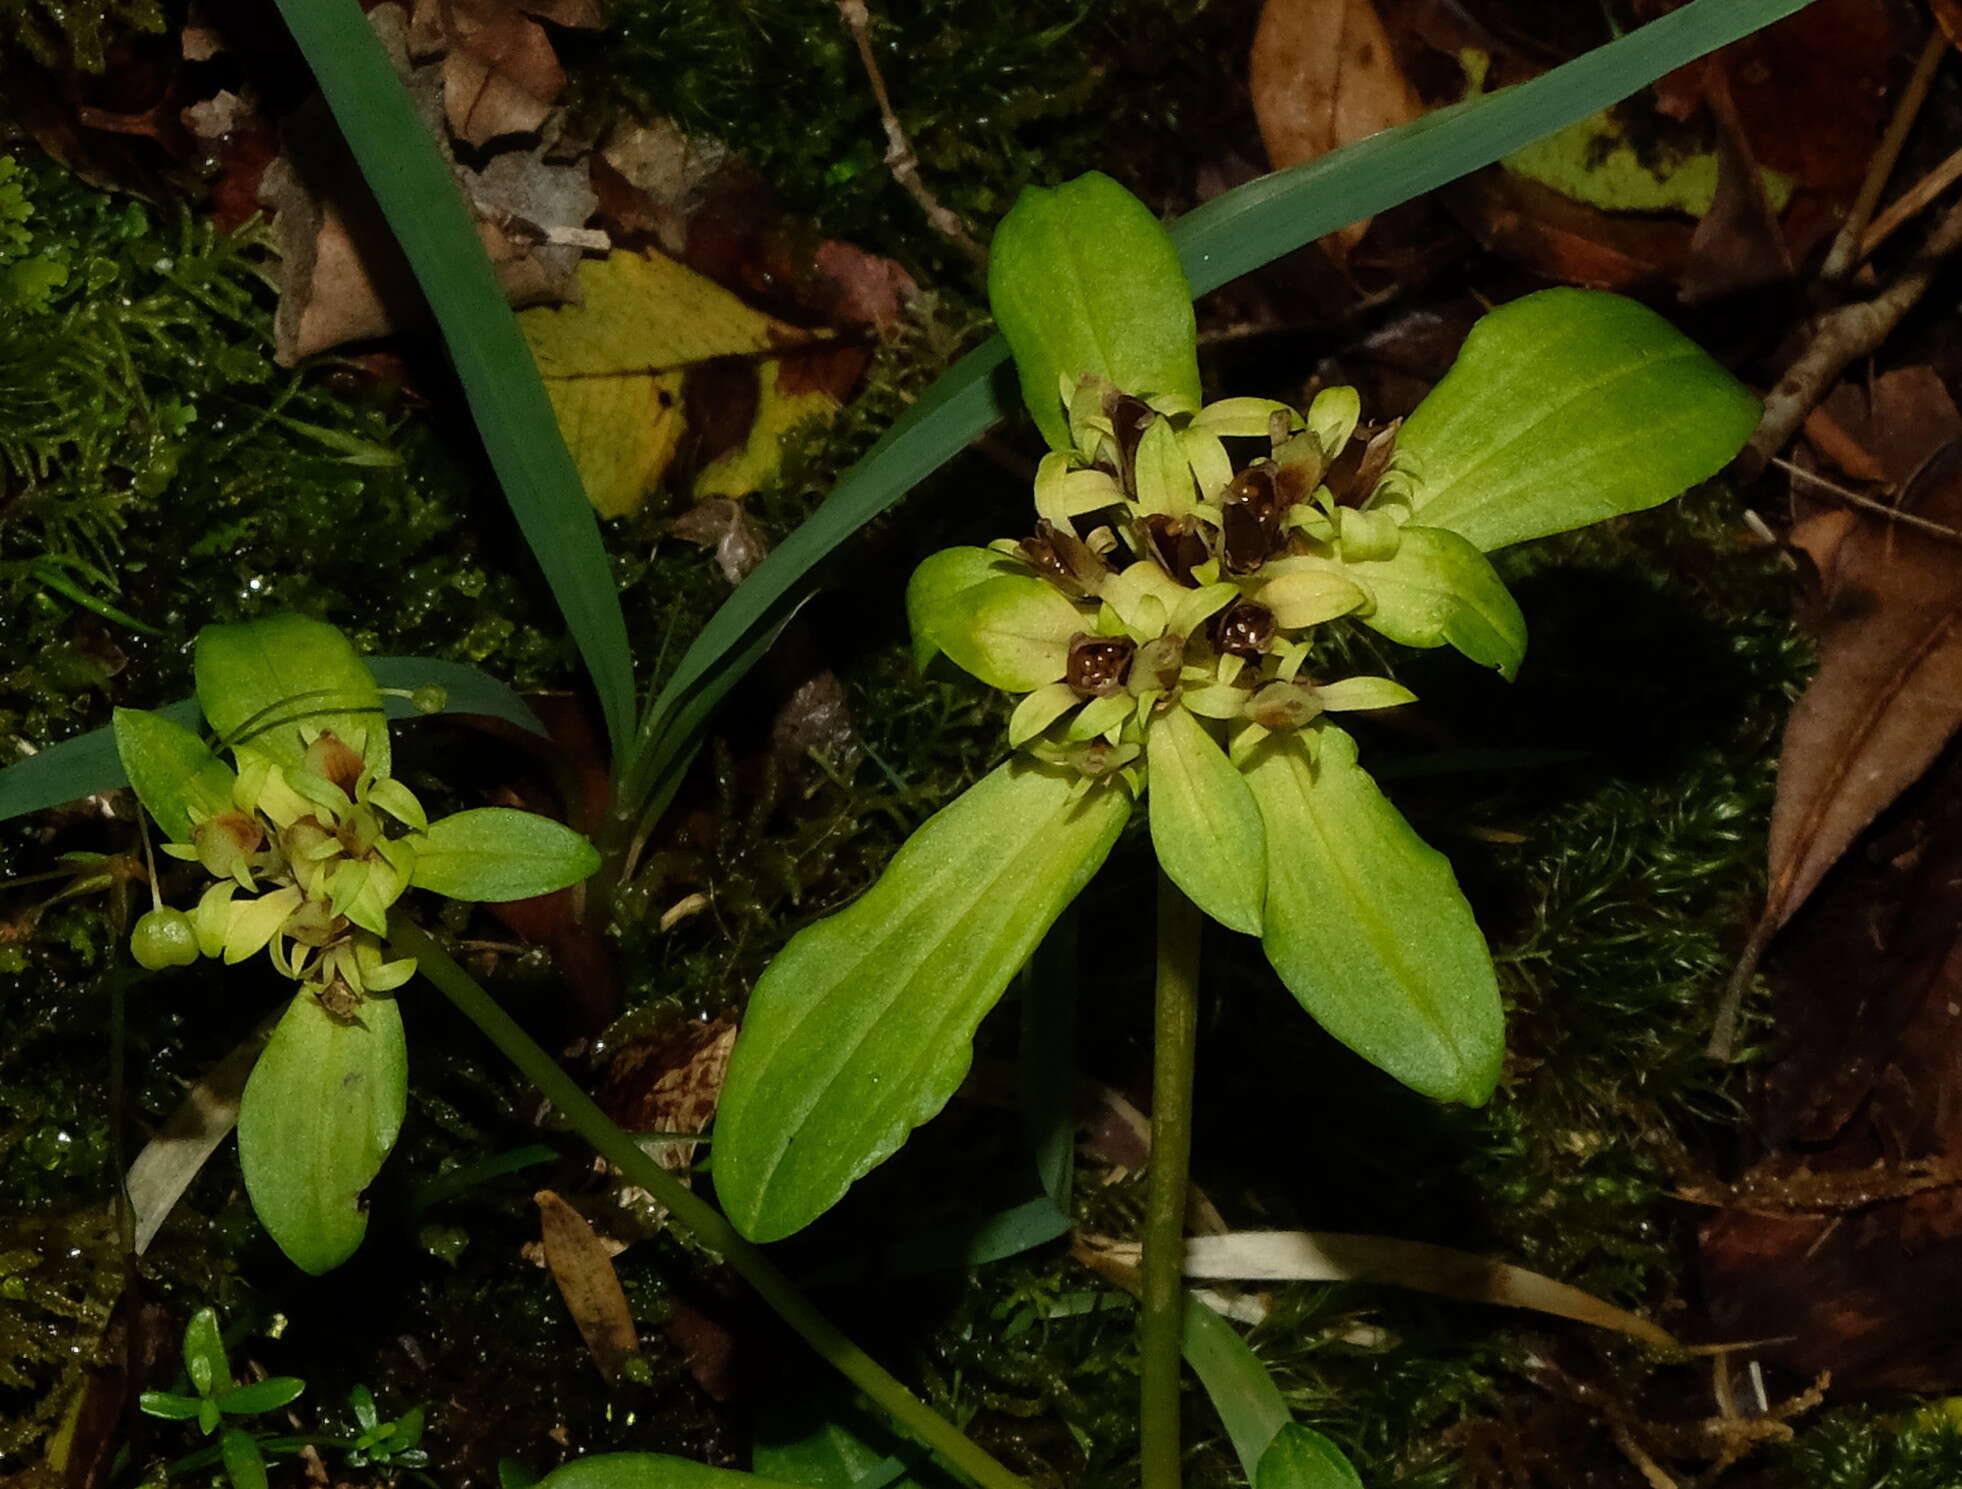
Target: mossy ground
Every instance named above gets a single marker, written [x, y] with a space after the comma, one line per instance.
[157, 466]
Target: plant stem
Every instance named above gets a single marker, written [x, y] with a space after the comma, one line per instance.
[696, 1214]
[1161, 1329]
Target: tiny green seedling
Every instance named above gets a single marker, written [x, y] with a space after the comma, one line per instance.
[384, 1444]
[215, 1399]
[310, 843]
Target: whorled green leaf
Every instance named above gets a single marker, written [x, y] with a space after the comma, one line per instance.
[1440, 590]
[245, 1465]
[1204, 824]
[1567, 407]
[862, 1027]
[1012, 632]
[649, 1471]
[1367, 927]
[260, 681]
[88, 763]
[175, 775]
[1083, 279]
[933, 594]
[1301, 1458]
[318, 1116]
[259, 1396]
[204, 1354]
[500, 853]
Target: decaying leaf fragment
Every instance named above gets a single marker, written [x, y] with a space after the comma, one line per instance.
[1323, 74]
[618, 365]
[500, 73]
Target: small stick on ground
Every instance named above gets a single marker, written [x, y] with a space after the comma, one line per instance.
[1845, 251]
[900, 159]
[1869, 504]
[1840, 337]
[1911, 203]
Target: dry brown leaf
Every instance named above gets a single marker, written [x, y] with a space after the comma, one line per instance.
[342, 278]
[1888, 692]
[501, 75]
[668, 1081]
[1569, 241]
[1323, 74]
[583, 1269]
[1738, 245]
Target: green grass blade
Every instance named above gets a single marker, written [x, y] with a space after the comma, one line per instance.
[1229, 236]
[418, 195]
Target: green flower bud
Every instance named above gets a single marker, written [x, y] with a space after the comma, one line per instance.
[163, 938]
[429, 698]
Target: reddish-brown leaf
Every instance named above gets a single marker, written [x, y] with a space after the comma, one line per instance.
[1323, 74]
[583, 1268]
[1888, 692]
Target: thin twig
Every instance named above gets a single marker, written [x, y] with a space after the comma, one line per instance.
[900, 159]
[1911, 203]
[1846, 247]
[1841, 336]
[1869, 504]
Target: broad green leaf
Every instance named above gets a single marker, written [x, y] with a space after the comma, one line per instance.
[1567, 407]
[934, 593]
[650, 1471]
[1439, 590]
[862, 1027]
[260, 681]
[416, 190]
[1367, 927]
[175, 775]
[500, 853]
[1301, 1458]
[1083, 279]
[825, 1439]
[1012, 632]
[318, 1116]
[1204, 823]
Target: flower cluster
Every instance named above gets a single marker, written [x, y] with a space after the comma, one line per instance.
[306, 862]
[1164, 575]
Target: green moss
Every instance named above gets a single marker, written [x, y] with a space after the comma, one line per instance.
[1863, 1449]
[78, 34]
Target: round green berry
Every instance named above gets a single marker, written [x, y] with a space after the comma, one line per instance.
[429, 698]
[164, 938]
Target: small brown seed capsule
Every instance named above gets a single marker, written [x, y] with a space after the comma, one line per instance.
[1178, 548]
[1243, 629]
[1250, 520]
[1283, 705]
[1099, 665]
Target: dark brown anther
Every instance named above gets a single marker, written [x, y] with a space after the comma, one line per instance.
[1250, 520]
[1129, 418]
[1064, 559]
[1177, 546]
[1243, 629]
[1099, 665]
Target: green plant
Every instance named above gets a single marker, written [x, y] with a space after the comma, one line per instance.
[215, 1397]
[393, 1444]
[309, 842]
[1161, 626]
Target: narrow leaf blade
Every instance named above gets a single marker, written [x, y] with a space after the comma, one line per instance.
[418, 194]
[319, 1115]
[1367, 927]
[1567, 407]
[861, 1029]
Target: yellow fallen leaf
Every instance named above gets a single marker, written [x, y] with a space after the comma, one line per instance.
[614, 365]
